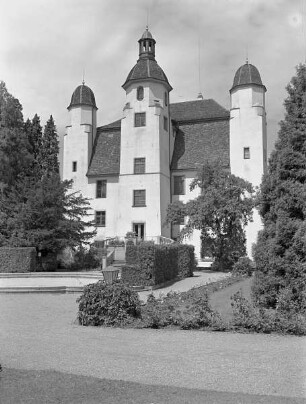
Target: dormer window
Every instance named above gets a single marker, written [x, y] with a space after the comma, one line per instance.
[139, 93]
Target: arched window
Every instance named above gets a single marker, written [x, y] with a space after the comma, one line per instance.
[166, 99]
[139, 93]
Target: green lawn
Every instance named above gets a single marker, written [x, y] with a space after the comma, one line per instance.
[221, 300]
[37, 387]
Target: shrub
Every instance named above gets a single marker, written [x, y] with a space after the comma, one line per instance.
[17, 259]
[160, 263]
[244, 266]
[108, 304]
[131, 253]
[185, 311]
[265, 320]
[133, 275]
[186, 260]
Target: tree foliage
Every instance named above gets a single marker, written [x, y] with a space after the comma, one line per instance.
[220, 212]
[280, 253]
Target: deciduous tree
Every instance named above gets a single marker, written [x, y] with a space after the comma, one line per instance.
[220, 212]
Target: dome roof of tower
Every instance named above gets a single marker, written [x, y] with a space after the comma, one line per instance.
[147, 34]
[247, 74]
[83, 95]
[146, 69]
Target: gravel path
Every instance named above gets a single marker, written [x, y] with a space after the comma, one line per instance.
[38, 332]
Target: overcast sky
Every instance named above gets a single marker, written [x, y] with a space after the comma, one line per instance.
[46, 44]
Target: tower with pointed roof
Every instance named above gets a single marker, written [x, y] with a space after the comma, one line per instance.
[248, 133]
[146, 140]
[80, 136]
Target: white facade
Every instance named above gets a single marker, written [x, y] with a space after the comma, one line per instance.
[138, 200]
[248, 143]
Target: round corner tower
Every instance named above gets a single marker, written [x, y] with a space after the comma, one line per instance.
[80, 136]
[248, 134]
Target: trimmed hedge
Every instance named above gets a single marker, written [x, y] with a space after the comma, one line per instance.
[133, 275]
[17, 259]
[150, 264]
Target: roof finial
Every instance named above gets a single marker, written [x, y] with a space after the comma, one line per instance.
[148, 10]
[247, 54]
[200, 96]
[83, 81]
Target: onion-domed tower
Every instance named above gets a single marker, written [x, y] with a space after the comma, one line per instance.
[80, 135]
[248, 133]
[145, 145]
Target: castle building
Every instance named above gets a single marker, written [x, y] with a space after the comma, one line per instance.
[133, 168]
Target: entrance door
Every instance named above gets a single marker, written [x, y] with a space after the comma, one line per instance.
[139, 230]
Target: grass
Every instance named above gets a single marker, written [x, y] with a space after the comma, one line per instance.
[40, 386]
[221, 300]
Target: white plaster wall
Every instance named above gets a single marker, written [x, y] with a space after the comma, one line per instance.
[152, 143]
[150, 214]
[107, 204]
[194, 238]
[248, 129]
[78, 142]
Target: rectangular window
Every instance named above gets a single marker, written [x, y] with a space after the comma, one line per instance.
[165, 123]
[101, 189]
[179, 185]
[101, 218]
[180, 221]
[140, 119]
[246, 153]
[139, 198]
[74, 166]
[139, 165]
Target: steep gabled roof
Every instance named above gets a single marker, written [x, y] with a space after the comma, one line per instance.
[197, 110]
[199, 142]
[106, 152]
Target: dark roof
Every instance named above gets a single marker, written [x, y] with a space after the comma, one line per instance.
[196, 143]
[145, 69]
[147, 34]
[83, 95]
[203, 134]
[247, 74]
[106, 153]
[197, 110]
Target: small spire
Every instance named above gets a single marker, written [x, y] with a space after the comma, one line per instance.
[247, 54]
[83, 81]
[200, 96]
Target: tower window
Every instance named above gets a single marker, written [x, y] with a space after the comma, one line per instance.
[101, 189]
[101, 218]
[166, 99]
[139, 198]
[74, 166]
[246, 153]
[140, 119]
[139, 93]
[139, 165]
[165, 123]
[179, 185]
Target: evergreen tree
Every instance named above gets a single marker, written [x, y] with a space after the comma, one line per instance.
[15, 157]
[34, 132]
[45, 214]
[48, 156]
[280, 253]
[10, 109]
[220, 212]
